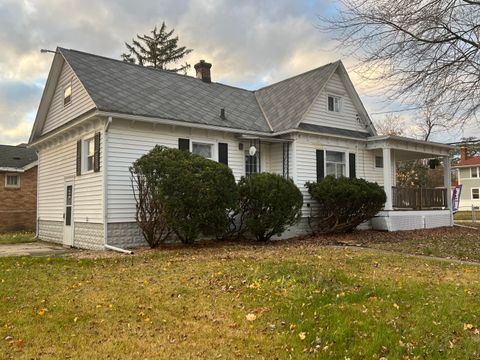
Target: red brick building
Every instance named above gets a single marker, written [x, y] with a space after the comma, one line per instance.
[18, 188]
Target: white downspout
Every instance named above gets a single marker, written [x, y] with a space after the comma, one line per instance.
[105, 191]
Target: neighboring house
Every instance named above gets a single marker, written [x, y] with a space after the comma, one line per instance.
[468, 175]
[18, 188]
[98, 115]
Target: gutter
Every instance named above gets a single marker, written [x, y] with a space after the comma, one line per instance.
[20, 170]
[181, 123]
[105, 191]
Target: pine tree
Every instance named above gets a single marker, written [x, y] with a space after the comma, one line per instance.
[157, 51]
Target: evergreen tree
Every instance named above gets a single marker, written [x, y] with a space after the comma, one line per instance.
[157, 50]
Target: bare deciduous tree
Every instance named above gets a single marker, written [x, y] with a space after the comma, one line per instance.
[150, 212]
[426, 52]
[391, 124]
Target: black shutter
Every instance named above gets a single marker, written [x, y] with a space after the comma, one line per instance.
[184, 144]
[79, 157]
[352, 166]
[96, 153]
[223, 153]
[320, 165]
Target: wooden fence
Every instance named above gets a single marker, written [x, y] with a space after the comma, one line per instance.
[419, 198]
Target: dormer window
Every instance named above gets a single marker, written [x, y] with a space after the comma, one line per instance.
[67, 94]
[334, 103]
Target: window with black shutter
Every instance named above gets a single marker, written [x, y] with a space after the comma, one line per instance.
[352, 167]
[184, 144]
[79, 157]
[223, 153]
[320, 165]
[96, 153]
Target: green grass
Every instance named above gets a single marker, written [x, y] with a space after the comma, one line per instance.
[466, 215]
[309, 301]
[458, 243]
[16, 237]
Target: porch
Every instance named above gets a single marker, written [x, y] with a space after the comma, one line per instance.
[408, 208]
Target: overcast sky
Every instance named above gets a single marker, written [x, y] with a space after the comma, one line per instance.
[251, 43]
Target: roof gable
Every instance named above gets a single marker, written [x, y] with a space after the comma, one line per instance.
[285, 103]
[348, 118]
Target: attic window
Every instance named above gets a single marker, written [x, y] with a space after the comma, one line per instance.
[334, 103]
[67, 94]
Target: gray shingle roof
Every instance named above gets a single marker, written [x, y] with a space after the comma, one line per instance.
[16, 156]
[284, 103]
[120, 87]
[333, 131]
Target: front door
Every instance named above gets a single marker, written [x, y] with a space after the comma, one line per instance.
[68, 215]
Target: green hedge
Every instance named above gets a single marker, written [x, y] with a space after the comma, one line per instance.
[269, 204]
[344, 203]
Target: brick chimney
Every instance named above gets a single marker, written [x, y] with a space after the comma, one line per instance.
[463, 152]
[203, 71]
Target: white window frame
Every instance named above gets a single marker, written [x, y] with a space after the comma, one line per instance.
[85, 155]
[340, 103]
[471, 193]
[212, 144]
[68, 85]
[477, 171]
[258, 155]
[8, 186]
[345, 159]
[375, 162]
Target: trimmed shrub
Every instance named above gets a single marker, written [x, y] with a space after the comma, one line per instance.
[344, 203]
[197, 193]
[269, 204]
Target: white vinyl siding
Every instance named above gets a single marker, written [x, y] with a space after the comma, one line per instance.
[58, 113]
[306, 163]
[346, 118]
[126, 144]
[57, 163]
[468, 183]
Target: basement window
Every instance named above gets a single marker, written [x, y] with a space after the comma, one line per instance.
[334, 103]
[67, 94]
[12, 181]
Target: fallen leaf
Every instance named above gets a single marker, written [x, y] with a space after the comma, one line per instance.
[251, 317]
[302, 336]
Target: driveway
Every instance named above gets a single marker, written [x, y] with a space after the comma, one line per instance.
[32, 249]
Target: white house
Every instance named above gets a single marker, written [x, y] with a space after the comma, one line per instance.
[97, 115]
[468, 175]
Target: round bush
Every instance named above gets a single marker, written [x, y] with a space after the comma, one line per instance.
[269, 204]
[197, 193]
[345, 203]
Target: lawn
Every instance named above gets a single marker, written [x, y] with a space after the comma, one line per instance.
[461, 243]
[16, 237]
[288, 300]
[466, 215]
